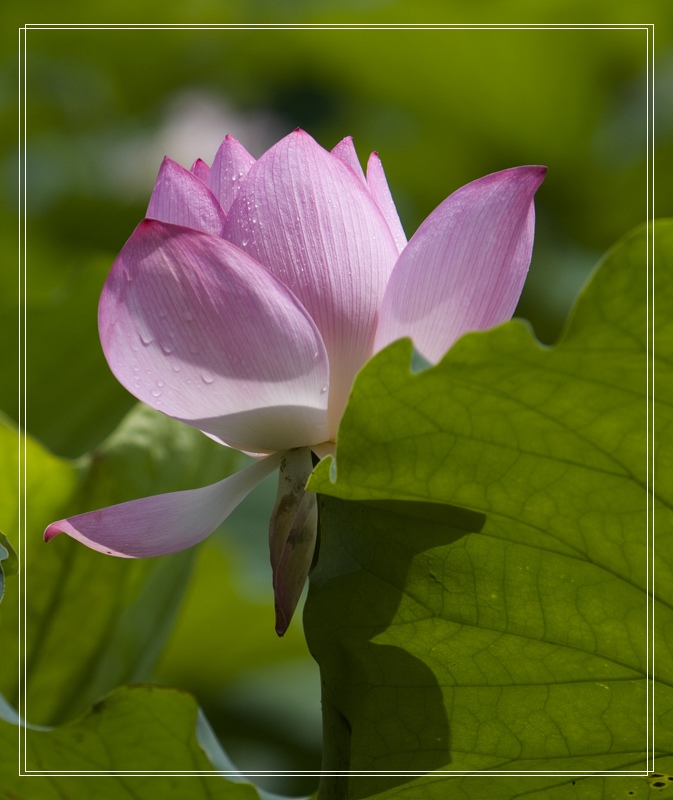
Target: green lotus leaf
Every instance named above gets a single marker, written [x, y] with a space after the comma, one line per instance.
[483, 598]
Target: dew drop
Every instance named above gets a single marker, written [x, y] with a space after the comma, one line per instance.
[146, 339]
[160, 384]
[176, 366]
[167, 347]
[156, 392]
[206, 377]
[323, 388]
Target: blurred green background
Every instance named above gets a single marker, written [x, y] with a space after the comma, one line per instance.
[442, 107]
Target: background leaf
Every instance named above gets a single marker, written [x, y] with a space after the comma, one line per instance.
[93, 622]
[8, 562]
[527, 619]
[136, 729]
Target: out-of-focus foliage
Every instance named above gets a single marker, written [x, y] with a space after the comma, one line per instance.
[138, 729]
[442, 107]
[91, 623]
[10, 565]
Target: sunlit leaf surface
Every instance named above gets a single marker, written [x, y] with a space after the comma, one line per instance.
[482, 602]
[141, 729]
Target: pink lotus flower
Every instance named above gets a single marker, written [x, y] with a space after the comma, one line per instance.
[251, 295]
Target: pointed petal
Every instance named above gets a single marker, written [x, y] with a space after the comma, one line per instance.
[201, 170]
[345, 150]
[292, 534]
[230, 166]
[380, 192]
[195, 328]
[182, 198]
[464, 268]
[306, 216]
[164, 523]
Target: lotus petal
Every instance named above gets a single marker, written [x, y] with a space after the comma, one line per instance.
[201, 170]
[305, 215]
[380, 192]
[464, 268]
[163, 523]
[345, 150]
[230, 166]
[180, 197]
[195, 328]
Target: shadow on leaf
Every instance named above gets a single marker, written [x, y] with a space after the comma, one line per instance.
[383, 709]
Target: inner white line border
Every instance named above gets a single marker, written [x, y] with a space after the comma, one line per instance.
[648, 28]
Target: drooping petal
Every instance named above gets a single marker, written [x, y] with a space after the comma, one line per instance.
[231, 164]
[292, 534]
[380, 192]
[306, 216]
[164, 523]
[180, 197]
[195, 328]
[201, 170]
[345, 150]
[464, 268]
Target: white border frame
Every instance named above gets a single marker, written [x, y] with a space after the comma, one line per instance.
[22, 476]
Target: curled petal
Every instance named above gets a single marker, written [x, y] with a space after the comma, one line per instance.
[181, 197]
[231, 164]
[345, 150]
[306, 216]
[292, 534]
[464, 268]
[378, 188]
[164, 523]
[195, 328]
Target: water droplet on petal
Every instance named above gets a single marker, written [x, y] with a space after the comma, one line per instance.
[146, 338]
[156, 392]
[323, 388]
[176, 366]
[206, 377]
